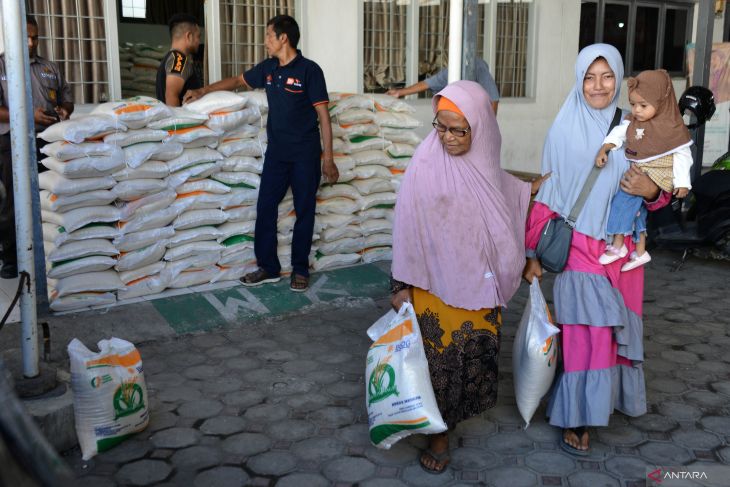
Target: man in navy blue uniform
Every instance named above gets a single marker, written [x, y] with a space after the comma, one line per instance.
[297, 96]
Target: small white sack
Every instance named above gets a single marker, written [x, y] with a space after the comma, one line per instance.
[110, 395]
[57, 184]
[142, 257]
[65, 151]
[534, 354]
[399, 396]
[227, 121]
[87, 166]
[83, 265]
[180, 119]
[79, 129]
[217, 101]
[143, 287]
[241, 213]
[197, 234]
[324, 262]
[338, 190]
[136, 188]
[77, 249]
[147, 170]
[62, 204]
[243, 163]
[80, 217]
[376, 254]
[135, 112]
[88, 282]
[137, 240]
[198, 218]
[146, 271]
[82, 300]
[124, 139]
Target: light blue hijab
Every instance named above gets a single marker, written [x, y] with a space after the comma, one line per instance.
[571, 147]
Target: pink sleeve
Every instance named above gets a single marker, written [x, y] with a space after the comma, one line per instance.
[661, 201]
[536, 220]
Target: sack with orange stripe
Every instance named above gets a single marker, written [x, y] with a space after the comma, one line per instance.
[399, 395]
[110, 395]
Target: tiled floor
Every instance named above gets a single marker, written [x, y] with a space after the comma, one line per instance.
[8, 287]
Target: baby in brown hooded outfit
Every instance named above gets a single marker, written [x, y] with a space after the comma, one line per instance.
[657, 141]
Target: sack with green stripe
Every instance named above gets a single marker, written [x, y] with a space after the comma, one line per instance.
[110, 396]
[398, 394]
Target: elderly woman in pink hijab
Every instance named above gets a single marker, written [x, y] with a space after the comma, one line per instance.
[458, 253]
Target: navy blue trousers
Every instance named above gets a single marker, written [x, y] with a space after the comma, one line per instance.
[303, 175]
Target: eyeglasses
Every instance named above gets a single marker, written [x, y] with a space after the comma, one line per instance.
[441, 128]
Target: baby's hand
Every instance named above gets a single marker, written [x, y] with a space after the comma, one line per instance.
[681, 192]
[601, 158]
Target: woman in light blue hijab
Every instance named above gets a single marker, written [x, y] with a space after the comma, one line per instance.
[598, 307]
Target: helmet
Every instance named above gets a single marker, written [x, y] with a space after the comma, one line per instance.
[700, 101]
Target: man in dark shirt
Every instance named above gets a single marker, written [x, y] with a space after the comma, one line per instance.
[52, 102]
[297, 96]
[178, 71]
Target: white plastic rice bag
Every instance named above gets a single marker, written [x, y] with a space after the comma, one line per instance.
[399, 395]
[110, 395]
[534, 353]
[135, 112]
[82, 128]
[217, 101]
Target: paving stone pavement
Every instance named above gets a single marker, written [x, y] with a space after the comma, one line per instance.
[280, 402]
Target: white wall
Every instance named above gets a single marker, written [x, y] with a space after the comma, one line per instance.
[524, 122]
[330, 37]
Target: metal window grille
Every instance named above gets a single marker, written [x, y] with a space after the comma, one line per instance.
[242, 31]
[653, 32]
[134, 8]
[72, 34]
[433, 31]
[384, 44]
[510, 70]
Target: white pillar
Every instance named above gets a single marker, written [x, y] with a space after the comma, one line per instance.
[456, 24]
[19, 98]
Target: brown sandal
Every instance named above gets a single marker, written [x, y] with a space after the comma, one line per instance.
[258, 277]
[299, 283]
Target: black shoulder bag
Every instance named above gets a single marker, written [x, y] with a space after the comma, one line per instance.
[554, 244]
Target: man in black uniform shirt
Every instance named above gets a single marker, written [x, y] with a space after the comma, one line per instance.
[178, 71]
[52, 102]
[297, 95]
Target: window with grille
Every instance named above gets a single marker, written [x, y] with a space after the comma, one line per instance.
[384, 44]
[242, 31]
[72, 34]
[503, 29]
[134, 9]
[510, 67]
[649, 34]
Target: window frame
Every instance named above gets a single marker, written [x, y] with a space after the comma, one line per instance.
[687, 6]
[488, 49]
[130, 20]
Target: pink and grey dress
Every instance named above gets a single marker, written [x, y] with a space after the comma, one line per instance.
[598, 307]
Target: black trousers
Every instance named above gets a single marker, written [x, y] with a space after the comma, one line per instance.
[303, 176]
[9, 253]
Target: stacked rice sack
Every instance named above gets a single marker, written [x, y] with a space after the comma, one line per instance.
[138, 199]
[141, 197]
[373, 143]
[138, 63]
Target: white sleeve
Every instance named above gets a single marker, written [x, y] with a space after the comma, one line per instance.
[681, 168]
[617, 136]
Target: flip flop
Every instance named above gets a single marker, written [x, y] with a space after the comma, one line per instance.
[567, 447]
[442, 457]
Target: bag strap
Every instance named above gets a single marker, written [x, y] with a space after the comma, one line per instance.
[588, 185]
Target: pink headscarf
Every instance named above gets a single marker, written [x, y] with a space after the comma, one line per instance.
[459, 227]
